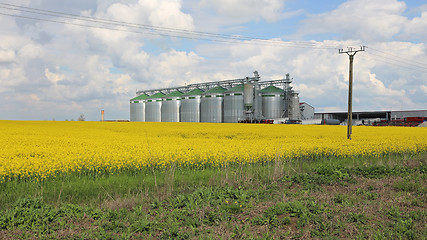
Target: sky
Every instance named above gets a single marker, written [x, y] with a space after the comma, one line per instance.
[56, 68]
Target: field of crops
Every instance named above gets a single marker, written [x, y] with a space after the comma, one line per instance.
[41, 149]
[103, 180]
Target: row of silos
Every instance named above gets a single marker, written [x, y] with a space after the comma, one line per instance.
[215, 105]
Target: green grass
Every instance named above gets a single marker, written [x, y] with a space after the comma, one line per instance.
[376, 198]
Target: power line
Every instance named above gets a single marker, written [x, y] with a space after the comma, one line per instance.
[110, 22]
[375, 57]
[264, 43]
[156, 30]
[224, 40]
[401, 59]
[398, 63]
[136, 28]
[151, 27]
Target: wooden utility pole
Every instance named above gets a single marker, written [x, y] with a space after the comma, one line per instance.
[350, 52]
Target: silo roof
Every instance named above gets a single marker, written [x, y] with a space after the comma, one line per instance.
[272, 89]
[216, 90]
[157, 95]
[140, 97]
[237, 88]
[195, 91]
[174, 94]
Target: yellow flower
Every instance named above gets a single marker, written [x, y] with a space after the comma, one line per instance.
[42, 149]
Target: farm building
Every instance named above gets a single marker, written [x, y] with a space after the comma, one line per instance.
[381, 118]
[307, 111]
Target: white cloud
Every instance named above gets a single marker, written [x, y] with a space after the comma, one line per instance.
[365, 20]
[416, 27]
[247, 10]
[376, 86]
[162, 13]
[121, 83]
[424, 88]
[30, 51]
[311, 91]
[34, 97]
[172, 68]
[52, 77]
[7, 55]
[368, 21]
[168, 14]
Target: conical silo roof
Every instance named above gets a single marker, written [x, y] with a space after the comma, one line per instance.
[237, 88]
[157, 95]
[174, 94]
[140, 97]
[272, 89]
[193, 92]
[216, 90]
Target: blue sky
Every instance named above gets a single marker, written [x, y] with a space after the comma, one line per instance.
[52, 70]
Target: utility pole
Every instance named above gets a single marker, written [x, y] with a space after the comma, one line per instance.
[350, 52]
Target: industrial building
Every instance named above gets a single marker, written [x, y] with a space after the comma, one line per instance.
[370, 117]
[239, 100]
[307, 111]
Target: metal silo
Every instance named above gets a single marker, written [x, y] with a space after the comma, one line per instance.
[248, 94]
[234, 104]
[211, 105]
[190, 106]
[294, 110]
[272, 102]
[137, 108]
[153, 106]
[170, 107]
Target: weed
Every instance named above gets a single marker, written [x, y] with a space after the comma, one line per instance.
[233, 207]
[356, 218]
[239, 231]
[371, 196]
[340, 198]
[411, 184]
[141, 225]
[393, 213]
[382, 171]
[328, 174]
[29, 214]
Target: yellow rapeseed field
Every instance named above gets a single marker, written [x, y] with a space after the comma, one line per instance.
[42, 149]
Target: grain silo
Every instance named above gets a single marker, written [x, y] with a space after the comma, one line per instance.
[234, 104]
[137, 108]
[153, 106]
[190, 106]
[248, 94]
[170, 107]
[294, 108]
[211, 105]
[273, 102]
